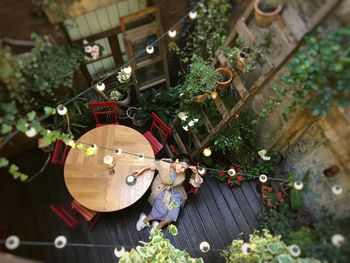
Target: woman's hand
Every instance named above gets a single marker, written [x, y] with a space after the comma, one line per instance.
[194, 169]
[138, 172]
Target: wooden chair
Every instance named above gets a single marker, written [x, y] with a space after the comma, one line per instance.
[109, 109]
[158, 129]
[75, 214]
[59, 153]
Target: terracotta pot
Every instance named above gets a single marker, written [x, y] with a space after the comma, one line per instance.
[262, 18]
[201, 98]
[227, 73]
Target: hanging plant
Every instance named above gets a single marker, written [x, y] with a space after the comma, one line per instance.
[92, 49]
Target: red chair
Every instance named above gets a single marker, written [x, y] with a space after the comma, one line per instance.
[75, 214]
[4, 229]
[59, 152]
[161, 130]
[109, 110]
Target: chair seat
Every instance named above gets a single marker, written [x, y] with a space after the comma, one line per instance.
[156, 145]
[87, 213]
[65, 215]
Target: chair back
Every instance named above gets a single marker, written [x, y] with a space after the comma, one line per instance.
[160, 127]
[104, 110]
[59, 153]
[65, 215]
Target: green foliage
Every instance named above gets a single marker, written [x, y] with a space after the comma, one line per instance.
[262, 247]
[236, 140]
[16, 174]
[267, 167]
[3, 162]
[304, 236]
[201, 79]
[158, 250]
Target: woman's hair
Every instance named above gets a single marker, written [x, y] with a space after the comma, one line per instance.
[188, 173]
[184, 158]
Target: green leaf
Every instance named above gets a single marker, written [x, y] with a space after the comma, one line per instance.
[49, 110]
[9, 107]
[284, 258]
[6, 128]
[273, 248]
[31, 115]
[21, 125]
[172, 229]
[3, 162]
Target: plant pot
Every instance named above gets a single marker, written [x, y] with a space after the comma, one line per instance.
[126, 101]
[201, 98]
[242, 57]
[264, 18]
[228, 76]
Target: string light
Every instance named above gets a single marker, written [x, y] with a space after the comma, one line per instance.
[338, 240]
[119, 151]
[294, 250]
[204, 246]
[127, 70]
[61, 110]
[207, 152]
[202, 170]
[12, 242]
[246, 249]
[337, 189]
[231, 172]
[141, 156]
[172, 33]
[31, 132]
[298, 185]
[193, 14]
[149, 49]
[100, 86]
[263, 178]
[60, 242]
[119, 251]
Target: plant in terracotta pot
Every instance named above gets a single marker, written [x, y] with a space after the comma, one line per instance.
[266, 11]
[199, 82]
[122, 93]
[225, 77]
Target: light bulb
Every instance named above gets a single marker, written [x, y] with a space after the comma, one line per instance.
[108, 160]
[172, 33]
[202, 170]
[207, 152]
[338, 240]
[149, 49]
[31, 132]
[294, 250]
[12, 242]
[119, 251]
[127, 70]
[118, 151]
[263, 178]
[100, 86]
[61, 110]
[141, 156]
[60, 242]
[298, 185]
[337, 189]
[231, 172]
[204, 246]
[193, 14]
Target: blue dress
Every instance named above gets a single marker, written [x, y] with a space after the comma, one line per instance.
[159, 211]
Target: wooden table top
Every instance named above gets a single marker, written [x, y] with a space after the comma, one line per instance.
[88, 180]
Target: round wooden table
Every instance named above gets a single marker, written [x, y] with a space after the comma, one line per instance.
[89, 181]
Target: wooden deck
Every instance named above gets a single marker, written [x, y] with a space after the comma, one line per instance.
[216, 214]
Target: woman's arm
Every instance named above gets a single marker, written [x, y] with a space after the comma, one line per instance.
[141, 170]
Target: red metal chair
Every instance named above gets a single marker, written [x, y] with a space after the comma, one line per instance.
[158, 129]
[75, 214]
[3, 235]
[59, 152]
[109, 110]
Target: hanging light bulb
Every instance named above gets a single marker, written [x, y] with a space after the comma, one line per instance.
[298, 185]
[263, 178]
[61, 110]
[231, 172]
[141, 156]
[60, 242]
[204, 246]
[246, 249]
[12, 242]
[100, 86]
[338, 240]
[127, 70]
[119, 251]
[31, 132]
[118, 151]
[149, 49]
[337, 189]
[193, 14]
[202, 170]
[172, 33]
[294, 250]
[207, 152]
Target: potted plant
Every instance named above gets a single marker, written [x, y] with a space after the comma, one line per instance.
[199, 82]
[122, 93]
[266, 11]
[225, 77]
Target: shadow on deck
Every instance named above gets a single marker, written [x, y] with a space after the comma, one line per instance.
[216, 214]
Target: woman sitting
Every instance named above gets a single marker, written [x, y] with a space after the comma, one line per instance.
[168, 193]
